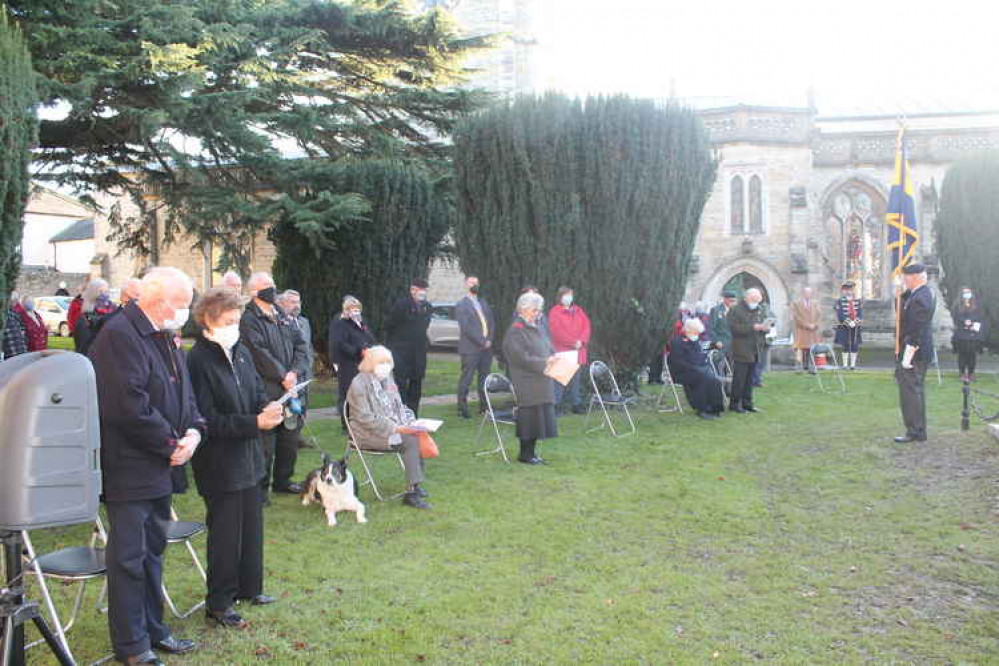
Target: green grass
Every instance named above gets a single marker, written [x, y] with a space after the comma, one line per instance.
[441, 379]
[798, 536]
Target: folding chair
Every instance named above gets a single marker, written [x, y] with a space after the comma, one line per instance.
[182, 531]
[668, 386]
[722, 370]
[75, 564]
[831, 365]
[363, 454]
[602, 379]
[497, 383]
[935, 362]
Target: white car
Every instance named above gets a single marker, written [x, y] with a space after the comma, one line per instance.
[54, 311]
[443, 330]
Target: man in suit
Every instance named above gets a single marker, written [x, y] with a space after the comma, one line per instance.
[149, 424]
[280, 353]
[475, 343]
[406, 336]
[749, 330]
[915, 345]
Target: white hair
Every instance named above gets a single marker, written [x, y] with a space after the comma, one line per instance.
[257, 280]
[693, 325]
[530, 301]
[753, 294]
[288, 293]
[93, 289]
[162, 279]
[350, 302]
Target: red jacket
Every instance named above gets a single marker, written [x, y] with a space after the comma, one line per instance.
[567, 326]
[35, 332]
[75, 310]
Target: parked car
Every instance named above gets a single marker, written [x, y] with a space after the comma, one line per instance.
[53, 310]
[443, 331]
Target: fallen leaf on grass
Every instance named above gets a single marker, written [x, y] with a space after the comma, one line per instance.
[421, 657]
[967, 526]
[262, 651]
[715, 654]
[721, 478]
[678, 630]
[960, 547]
[808, 593]
[300, 645]
[609, 602]
[902, 622]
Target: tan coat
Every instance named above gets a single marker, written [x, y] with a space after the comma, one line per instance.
[807, 323]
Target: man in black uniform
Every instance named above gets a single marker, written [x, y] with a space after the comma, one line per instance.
[406, 336]
[149, 424]
[915, 338]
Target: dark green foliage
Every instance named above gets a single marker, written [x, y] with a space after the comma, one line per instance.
[388, 242]
[188, 99]
[18, 131]
[603, 195]
[967, 233]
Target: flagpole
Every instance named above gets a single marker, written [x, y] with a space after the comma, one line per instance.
[901, 245]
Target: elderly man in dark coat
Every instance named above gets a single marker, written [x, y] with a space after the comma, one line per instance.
[528, 352]
[915, 345]
[690, 367]
[406, 336]
[149, 424]
[749, 331]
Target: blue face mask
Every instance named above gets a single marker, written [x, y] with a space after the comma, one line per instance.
[752, 306]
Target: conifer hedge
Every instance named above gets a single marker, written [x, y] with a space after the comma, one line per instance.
[967, 233]
[603, 194]
[18, 131]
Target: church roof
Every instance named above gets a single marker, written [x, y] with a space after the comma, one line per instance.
[79, 230]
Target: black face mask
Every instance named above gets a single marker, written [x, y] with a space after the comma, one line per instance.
[474, 289]
[268, 295]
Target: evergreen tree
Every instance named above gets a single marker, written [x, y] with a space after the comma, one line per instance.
[18, 131]
[397, 219]
[966, 233]
[603, 195]
[203, 101]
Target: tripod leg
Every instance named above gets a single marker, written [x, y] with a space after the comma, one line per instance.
[54, 643]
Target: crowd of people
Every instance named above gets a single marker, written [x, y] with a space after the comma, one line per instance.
[235, 403]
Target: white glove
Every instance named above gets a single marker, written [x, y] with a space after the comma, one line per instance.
[907, 355]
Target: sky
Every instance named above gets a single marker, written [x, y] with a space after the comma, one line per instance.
[868, 56]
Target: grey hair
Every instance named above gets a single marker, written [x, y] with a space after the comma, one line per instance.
[373, 356]
[231, 276]
[288, 292]
[754, 293]
[259, 278]
[91, 292]
[350, 301]
[693, 325]
[530, 301]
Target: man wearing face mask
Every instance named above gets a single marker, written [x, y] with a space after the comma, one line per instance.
[35, 332]
[349, 336]
[406, 336]
[291, 302]
[280, 355]
[749, 332]
[569, 327]
[475, 343]
[149, 423]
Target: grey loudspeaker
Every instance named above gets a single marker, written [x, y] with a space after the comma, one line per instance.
[50, 472]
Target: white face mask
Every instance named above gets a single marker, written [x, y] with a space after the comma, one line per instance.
[225, 336]
[752, 306]
[179, 319]
[966, 295]
[567, 300]
[383, 370]
[354, 314]
[694, 336]
[421, 295]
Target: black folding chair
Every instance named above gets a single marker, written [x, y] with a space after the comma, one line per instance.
[607, 396]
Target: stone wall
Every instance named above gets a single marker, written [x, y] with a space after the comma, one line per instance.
[35, 281]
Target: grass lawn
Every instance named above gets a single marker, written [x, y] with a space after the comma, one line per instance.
[441, 379]
[802, 535]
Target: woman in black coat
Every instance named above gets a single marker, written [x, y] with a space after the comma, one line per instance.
[229, 463]
[528, 351]
[969, 332]
[349, 336]
[690, 367]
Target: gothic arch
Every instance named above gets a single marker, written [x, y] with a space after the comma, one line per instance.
[779, 297]
[845, 177]
[854, 234]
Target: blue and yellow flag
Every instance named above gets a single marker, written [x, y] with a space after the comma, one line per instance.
[901, 215]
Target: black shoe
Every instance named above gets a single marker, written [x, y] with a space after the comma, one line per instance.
[173, 645]
[707, 416]
[579, 409]
[736, 408]
[147, 657]
[414, 500]
[463, 410]
[262, 600]
[290, 489]
[750, 408]
[905, 439]
[532, 461]
[421, 491]
[226, 618]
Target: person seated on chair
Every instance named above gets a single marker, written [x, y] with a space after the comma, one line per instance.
[230, 463]
[379, 421]
[690, 367]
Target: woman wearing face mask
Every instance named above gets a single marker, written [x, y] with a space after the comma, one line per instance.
[229, 463]
[35, 332]
[569, 327]
[96, 304]
[969, 332]
[528, 352]
[349, 336]
[690, 367]
[380, 421]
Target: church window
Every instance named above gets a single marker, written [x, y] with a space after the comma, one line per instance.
[755, 205]
[737, 207]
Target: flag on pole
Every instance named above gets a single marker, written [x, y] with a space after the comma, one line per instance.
[901, 215]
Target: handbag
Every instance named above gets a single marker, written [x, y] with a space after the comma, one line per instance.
[428, 447]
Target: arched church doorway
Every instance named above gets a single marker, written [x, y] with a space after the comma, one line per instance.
[740, 282]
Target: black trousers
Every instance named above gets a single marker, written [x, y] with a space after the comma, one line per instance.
[477, 362]
[912, 397]
[410, 390]
[235, 547]
[742, 384]
[967, 355]
[134, 558]
[344, 376]
[281, 453]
